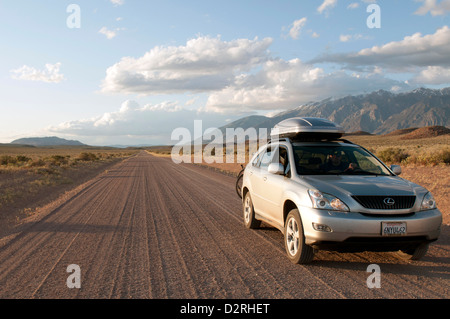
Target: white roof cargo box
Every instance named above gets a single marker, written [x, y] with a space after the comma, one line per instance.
[307, 128]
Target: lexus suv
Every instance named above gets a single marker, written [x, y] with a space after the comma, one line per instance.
[326, 193]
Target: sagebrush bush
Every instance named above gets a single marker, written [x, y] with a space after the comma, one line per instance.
[85, 156]
[392, 155]
[18, 160]
[430, 158]
[37, 163]
[6, 159]
[23, 158]
[59, 160]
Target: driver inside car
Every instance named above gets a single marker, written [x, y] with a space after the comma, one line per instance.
[335, 163]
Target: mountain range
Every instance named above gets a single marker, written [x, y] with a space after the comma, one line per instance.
[379, 112]
[46, 141]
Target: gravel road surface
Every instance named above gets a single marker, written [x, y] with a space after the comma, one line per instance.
[149, 228]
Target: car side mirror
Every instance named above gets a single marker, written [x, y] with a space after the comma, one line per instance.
[276, 168]
[396, 169]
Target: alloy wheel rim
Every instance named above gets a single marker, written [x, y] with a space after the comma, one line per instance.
[292, 236]
[247, 210]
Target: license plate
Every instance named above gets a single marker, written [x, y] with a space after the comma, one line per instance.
[393, 228]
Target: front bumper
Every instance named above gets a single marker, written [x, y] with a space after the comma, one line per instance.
[362, 232]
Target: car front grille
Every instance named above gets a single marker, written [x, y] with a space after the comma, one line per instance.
[385, 202]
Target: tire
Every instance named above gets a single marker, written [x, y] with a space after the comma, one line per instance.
[294, 240]
[239, 183]
[416, 253]
[250, 221]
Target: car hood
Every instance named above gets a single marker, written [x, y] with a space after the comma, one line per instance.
[363, 185]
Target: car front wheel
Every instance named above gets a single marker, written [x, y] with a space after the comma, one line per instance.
[298, 252]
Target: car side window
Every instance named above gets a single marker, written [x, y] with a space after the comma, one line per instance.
[266, 159]
[255, 162]
[284, 160]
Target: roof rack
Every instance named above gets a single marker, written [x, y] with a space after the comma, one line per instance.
[282, 139]
[294, 140]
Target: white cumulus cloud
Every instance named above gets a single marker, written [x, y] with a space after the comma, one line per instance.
[434, 8]
[50, 74]
[326, 4]
[296, 27]
[349, 37]
[117, 2]
[133, 123]
[433, 75]
[413, 51]
[353, 5]
[110, 34]
[203, 64]
[285, 84]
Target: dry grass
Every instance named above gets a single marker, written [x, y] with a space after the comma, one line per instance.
[396, 149]
[31, 176]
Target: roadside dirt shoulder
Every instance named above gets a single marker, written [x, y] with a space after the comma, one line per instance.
[27, 194]
[437, 180]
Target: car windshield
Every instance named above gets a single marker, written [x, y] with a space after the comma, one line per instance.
[336, 160]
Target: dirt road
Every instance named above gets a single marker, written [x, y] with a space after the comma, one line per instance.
[149, 228]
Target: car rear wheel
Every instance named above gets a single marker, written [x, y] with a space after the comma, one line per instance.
[297, 251]
[416, 253]
[249, 213]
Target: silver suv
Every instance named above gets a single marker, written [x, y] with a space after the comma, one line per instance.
[323, 192]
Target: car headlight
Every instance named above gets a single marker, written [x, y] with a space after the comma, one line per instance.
[326, 201]
[428, 202]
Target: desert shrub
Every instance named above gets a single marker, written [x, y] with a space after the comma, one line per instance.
[445, 156]
[37, 163]
[392, 155]
[23, 158]
[430, 158]
[45, 170]
[59, 160]
[14, 160]
[85, 156]
[7, 159]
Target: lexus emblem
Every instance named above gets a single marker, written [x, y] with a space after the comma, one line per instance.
[389, 201]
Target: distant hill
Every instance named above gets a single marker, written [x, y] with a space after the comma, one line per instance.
[47, 141]
[379, 112]
[428, 131]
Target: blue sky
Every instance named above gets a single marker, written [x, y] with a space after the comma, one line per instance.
[131, 71]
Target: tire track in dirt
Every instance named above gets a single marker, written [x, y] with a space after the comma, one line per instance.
[97, 225]
[178, 276]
